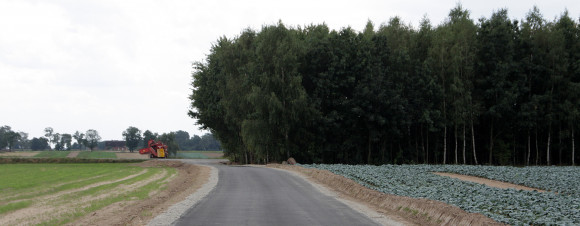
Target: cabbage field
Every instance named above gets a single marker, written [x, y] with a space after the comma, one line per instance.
[560, 205]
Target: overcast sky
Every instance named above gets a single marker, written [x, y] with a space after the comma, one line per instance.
[110, 64]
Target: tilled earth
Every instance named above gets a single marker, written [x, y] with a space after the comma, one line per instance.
[189, 179]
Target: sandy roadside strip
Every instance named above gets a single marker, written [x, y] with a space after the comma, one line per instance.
[488, 182]
[174, 212]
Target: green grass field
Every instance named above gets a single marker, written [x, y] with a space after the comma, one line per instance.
[52, 154]
[96, 155]
[62, 193]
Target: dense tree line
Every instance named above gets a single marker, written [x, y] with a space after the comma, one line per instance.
[495, 91]
[133, 139]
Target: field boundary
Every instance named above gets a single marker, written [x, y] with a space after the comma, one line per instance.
[9, 160]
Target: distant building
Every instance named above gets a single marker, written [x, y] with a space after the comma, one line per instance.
[116, 145]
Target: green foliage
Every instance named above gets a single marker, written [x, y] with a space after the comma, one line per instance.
[499, 87]
[92, 138]
[169, 140]
[132, 137]
[148, 135]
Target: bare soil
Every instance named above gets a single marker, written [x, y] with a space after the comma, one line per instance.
[189, 179]
[73, 154]
[18, 154]
[404, 209]
[214, 155]
[488, 182]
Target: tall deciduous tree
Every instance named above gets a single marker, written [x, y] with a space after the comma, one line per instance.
[92, 138]
[79, 137]
[132, 137]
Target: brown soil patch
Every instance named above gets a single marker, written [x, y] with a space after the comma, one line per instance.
[133, 155]
[189, 179]
[18, 154]
[73, 154]
[488, 182]
[214, 155]
[411, 210]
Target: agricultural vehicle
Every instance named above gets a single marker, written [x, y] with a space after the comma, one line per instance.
[155, 149]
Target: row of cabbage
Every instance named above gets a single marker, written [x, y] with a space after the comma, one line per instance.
[515, 207]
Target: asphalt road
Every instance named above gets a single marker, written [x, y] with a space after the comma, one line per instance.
[263, 196]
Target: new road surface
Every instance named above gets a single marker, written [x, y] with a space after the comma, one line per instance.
[263, 196]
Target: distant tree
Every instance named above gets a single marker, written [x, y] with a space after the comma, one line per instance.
[79, 137]
[4, 130]
[37, 144]
[148, 135]
[169, 140]
[93, 138]
[182, 139]
[195, 143]
[23, 142]
[66, 141]
[12, 138]
[57, 142]
[49, 134]
[132, 137]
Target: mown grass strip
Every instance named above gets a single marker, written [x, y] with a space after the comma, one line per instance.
[52, 154]
[33, 180]
[140, 193]
[14, 206]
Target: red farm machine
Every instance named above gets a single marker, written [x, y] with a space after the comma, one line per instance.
[155, 149]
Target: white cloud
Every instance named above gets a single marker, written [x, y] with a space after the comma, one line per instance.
[108, 64]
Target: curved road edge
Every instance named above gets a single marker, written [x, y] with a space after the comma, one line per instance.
[174, 212]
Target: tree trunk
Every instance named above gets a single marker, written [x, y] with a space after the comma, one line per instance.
[369, 148]
[286, 145]
[537, 149]
[573, 145]
[560, 146]
[464, 145]
[529, 150]
[491, 144]
[427, 148]
[445, 128]
[416, 151]
[383, 147]
[455, 133]
[473, 142]
[548, 148]
[444, 144]
[422, 144]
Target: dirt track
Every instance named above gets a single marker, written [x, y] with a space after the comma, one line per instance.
[488, 182]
